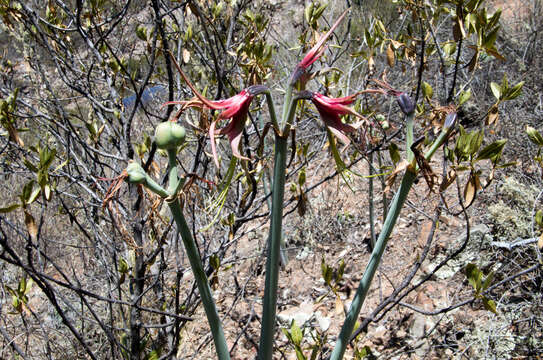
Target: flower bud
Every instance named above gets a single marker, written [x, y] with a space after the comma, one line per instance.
[169, 135]
[136, 174]
[450, 120]
[406, 103]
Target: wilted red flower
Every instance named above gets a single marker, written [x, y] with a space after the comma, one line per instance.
[235, 108]
[330, 110]
[315, 52]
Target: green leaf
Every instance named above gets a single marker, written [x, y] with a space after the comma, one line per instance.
[22, 285]
[215, 262]
[505, 83]
[301, 177]
[496, 90]
[318, 12]
[29, 284]
[308, 13]
[16, 303]
[464, 96]
[326, 272]
[449, 48]
[427, 90]
[296, 333]
[9, 208]
[30, 166]
[153, 355]
[472, 273]
[299, 353]
[488, 280]
[539, 218]
[33, 195]
[475, 141]
[490, 38]
[365, 352]
[490, 305]
[394, 152]
[515, 91]
[46, 157]
[123, 266]
[27, 190]
[503, 166]
[340, 270]
[534, 135]
[287, 334]
[141, 32]
[492, 151]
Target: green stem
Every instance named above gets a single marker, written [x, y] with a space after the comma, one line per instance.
[409, 136]
[269, 308]
[195, 261]
[271, 109]
[287, 104]
[437, 143]
[173, 179]
[283, 259]
[154, 187]
[354, 310]
[274, 250]
[370, 200]
[383, 186]
[201, 281]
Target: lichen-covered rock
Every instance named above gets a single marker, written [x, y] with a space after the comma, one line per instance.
[511, 215]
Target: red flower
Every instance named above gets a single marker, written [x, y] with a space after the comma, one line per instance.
[330, 110]
[235, 108]
[315, 52]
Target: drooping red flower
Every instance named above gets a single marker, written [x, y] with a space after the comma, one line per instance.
[330, 110]
[235, 107]
[315, 52]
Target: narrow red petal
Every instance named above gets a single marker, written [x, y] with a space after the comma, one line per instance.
[316, 51]
[341, 136]
[207, 102]
[235, 138]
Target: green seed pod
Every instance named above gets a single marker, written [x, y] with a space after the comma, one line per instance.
[136, 174]
[169, 135]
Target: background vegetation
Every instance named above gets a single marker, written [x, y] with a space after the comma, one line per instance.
[81, 85]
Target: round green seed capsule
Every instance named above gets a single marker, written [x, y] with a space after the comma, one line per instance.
[169, 135]
[136, 174]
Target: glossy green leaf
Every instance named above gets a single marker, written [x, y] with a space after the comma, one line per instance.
[515, 91]
[490, 305]
[427, 90]
[539, 218]
[534, 136]
[472, 272]
[488, 280]
[296, 333]
[9, 208]
[496, 90]
[215, 262]
[464, 96]
[394, 152]
[492, 151]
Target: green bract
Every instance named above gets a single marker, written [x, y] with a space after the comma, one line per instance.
[169, 135]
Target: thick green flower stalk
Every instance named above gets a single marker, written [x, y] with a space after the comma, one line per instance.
[407, 106]
[169, 136]
[269, 307]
